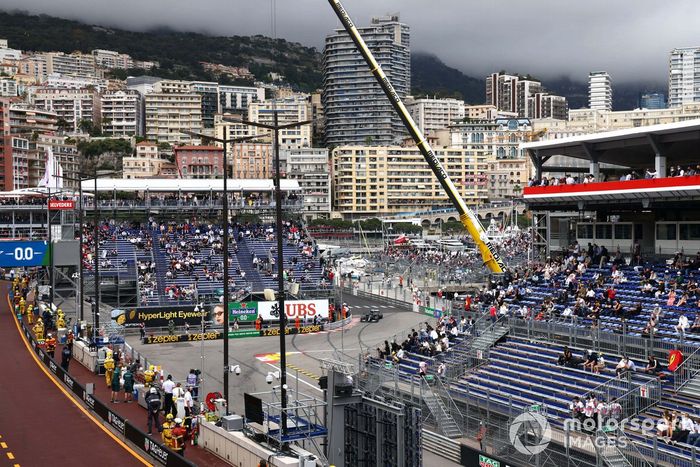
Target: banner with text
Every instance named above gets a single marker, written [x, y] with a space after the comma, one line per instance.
[304, 309]
[155, 317]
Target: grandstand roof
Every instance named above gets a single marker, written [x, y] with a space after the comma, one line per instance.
[170, 185]
[633, 147]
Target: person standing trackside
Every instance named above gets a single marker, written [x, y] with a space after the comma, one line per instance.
[168, 387]
[177, 434]
[116, 384]
[66, 355]
[128, 385]
[189, 403]
[153, 404]
[192, 382]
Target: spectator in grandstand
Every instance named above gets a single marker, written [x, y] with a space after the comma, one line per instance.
[576, 408]
[650, 328]
[599, 364]
[694, 435]
[591, 359]
[682, 325]
[567, 358]
[664, 426]
[671, 298]
[652, 366]
[695, 327]
[423, 368]
[624, 365]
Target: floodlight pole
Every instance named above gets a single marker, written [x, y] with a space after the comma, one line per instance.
[224, 141]
[96, 318]
[275, 128]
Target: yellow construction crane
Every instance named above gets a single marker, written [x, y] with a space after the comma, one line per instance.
[488, 252]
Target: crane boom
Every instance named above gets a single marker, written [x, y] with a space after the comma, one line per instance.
[488, 252]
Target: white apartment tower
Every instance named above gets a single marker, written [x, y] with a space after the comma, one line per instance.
[435, 114]
[289, 110]
[684, 76]
[356, 109]
[600, 91]
[121, 114]
[170, 109]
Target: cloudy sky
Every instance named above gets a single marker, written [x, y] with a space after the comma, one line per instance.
[628, 38]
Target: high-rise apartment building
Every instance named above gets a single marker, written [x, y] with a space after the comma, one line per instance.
[65, 153]
[27, 120]
[384, 180]
[169, 113]
[210, 100]
[356, 109]
[289, 110]
[236, 99]
[121, 114]
[543, 105]
[434, 114]
[74, 64]
[311, 168]
[684, 76]
[599, 91]
[522, 97]
[8, 87]
[71, 105]
[111, 59]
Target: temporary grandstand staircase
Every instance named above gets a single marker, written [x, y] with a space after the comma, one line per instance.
[489, 337]
[245, 259]
[692, 387]
[161, 263]
[446, 423]
[613, 457]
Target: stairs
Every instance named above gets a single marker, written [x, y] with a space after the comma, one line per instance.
[161, 264]
[613, 457]
[489, 337]
[245, 260]
[692, 388]
[447, 425]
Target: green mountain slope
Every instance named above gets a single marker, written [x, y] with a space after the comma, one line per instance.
[179, 53]
[430, 76]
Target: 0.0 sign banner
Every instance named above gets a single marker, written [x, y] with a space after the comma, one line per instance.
[24, 254]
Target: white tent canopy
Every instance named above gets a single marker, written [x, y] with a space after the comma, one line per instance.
[169, 185]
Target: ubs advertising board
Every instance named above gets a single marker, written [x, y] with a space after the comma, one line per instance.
[155, 317]
[304, 309]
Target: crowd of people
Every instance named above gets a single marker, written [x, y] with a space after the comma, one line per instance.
[569, 179]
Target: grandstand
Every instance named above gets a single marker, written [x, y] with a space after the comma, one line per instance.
[616, 270]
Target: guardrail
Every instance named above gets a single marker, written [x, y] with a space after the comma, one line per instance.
[442, 446]
[597, 339]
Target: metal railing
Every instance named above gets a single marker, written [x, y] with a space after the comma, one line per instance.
[686, 371]
[596, 339]
[617, 445]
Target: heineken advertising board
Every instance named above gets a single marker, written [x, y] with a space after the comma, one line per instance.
[304, 309]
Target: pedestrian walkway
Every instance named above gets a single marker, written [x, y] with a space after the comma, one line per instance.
[40, 424]
[131, 412]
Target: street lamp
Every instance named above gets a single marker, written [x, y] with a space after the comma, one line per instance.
[275, 128]
[225, 224]
[96, 303]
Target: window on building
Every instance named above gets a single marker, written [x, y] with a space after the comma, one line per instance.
[689, 232]
[666, 231]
